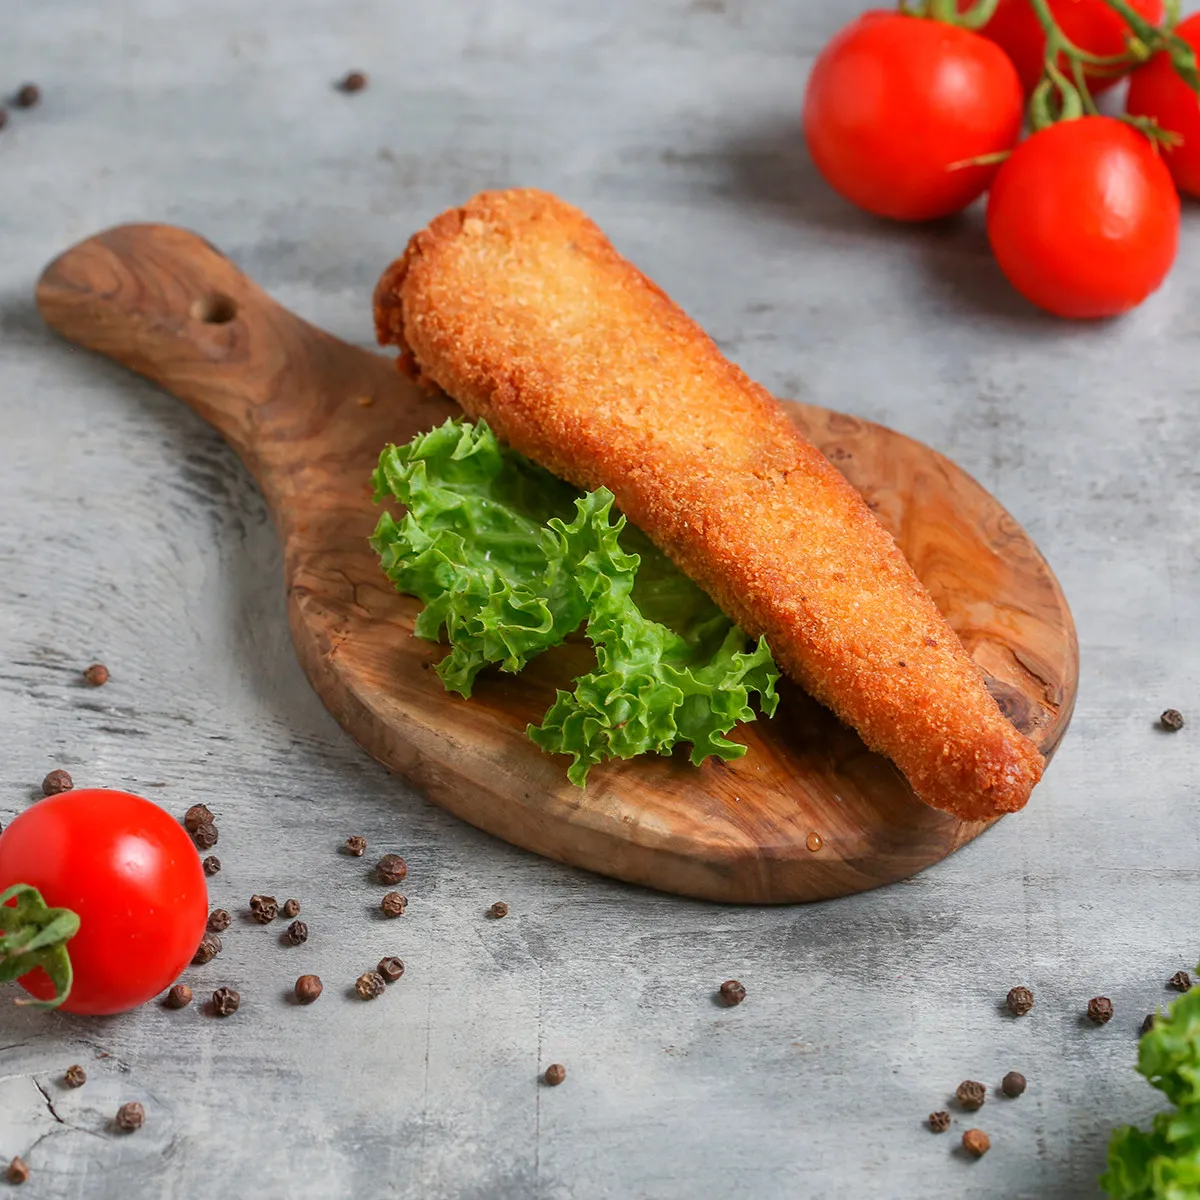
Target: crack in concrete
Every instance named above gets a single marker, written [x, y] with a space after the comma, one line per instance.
[49, 1102]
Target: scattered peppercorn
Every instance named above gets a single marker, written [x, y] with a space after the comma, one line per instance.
[291, 908]
[390, 968]
[75, 1077]
[56, 782]
[555, 1074]
[393, 904]
[732, 993]
[197, 815]
[180, 996]
[96, 674]
[971, 1094]
[18, 1169]
[1148, 1023]
[225, 1002]
[209, 948]
[498, 910]
[264, 909]
[130, 1116]
[1172, 720]
[1013, 1084]
[205, 836]
[3, 122]
[212, 864]
[939, 1122]
[219, 920]
[1100, 1010]
[976, 1143]
[369, 985]
[28, 96]
[356, 846]
[354, 81]
[1181, 981]
[1020, 1001]
[297, 933]
[390, 869]
[308, 988]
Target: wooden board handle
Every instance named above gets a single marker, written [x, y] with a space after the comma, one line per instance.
[164, 302]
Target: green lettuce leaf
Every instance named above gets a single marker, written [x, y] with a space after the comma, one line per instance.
[509, 560]
[1164, 1163]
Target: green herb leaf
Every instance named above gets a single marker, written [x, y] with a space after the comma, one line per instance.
[509, 560]
[1164, 1163]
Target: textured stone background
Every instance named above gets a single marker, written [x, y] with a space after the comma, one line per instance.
[129, 533]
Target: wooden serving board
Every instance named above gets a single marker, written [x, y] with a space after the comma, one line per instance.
[808, 813]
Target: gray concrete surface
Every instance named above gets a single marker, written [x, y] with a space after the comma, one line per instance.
[130, 534]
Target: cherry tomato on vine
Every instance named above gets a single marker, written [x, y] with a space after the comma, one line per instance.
[894, 102]
[1156, 90]
[1083, 218]
[132, 875]
[1091, 24]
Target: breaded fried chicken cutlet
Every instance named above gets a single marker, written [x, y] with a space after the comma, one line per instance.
[519, 308]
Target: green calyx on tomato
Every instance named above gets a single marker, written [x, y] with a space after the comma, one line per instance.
[33, 935]
[1059, 98]
[968, 14]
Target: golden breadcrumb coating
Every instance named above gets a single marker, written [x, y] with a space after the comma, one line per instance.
[519, 308]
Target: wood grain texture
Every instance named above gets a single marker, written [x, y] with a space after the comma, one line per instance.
[808, 813]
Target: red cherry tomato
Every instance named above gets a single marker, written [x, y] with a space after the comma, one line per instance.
[1083, 218]
[1155, 90]
[134, 878]
[1090, 24]
[894, 102]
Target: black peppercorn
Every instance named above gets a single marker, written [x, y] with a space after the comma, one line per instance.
[56, 782]
[976, 1143]
[393, 905]
[130, 1116]
[219, 920]
[28, 96]
[971, 1094]
[390, 968]
[1020, 1001]
[555, 1074]
[197, 815]
[1100, 1010]
[390, 869]
[1013, 1084]
[356, 846]
[370, 985]
[209, 948]
[297, 933]
[498, 910]
[212, 864]
[1172, 720]
[1181, 981]
[96, 674]
[308, 988]
[353, 81]
[939, 1122]
[75, 1077]
[205, 836]
[291, 908]
[1148, 1023]
[732, 992]
[225, 1002]
[180, 996]
[18, 1169]
[264, 909]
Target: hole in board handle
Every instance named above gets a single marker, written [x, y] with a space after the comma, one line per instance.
[215, 309]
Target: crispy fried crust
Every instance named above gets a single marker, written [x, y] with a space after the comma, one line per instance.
[519, 307]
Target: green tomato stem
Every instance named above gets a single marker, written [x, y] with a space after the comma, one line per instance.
[33, 935]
